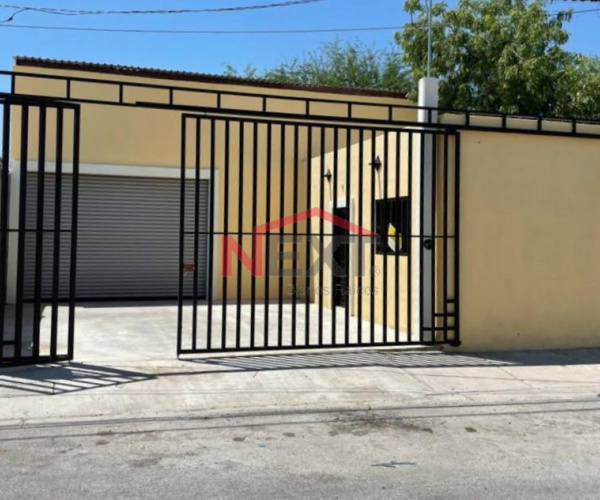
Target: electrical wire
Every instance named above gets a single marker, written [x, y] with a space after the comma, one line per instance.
[200, 32]
[225, 32]
[19, 9]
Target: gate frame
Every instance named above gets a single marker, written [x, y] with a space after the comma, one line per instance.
[9, 101]
[419, 129]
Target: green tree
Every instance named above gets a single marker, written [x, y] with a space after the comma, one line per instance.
[580, 95]
[340, 63]
[491, 55]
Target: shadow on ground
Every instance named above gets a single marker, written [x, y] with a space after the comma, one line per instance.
[68, 378]
[75, 377]
[403, 359]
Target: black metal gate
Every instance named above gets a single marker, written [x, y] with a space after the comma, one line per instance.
[320, 235]
[40, 140]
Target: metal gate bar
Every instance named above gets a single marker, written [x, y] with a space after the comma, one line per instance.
[21, 315]
[250, 156]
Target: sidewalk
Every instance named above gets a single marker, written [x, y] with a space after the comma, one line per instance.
[406, 382]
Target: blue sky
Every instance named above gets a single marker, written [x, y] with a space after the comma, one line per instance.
[209, 53]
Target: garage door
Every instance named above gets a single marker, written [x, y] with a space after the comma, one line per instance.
[128, 239]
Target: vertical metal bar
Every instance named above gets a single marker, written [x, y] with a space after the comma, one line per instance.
[432, 236]
[183, 147]
[385, 167]
[321, 231]
[226, 199]
[197, 143]
[295, 237]
[456, 340]
[74, 230]
[334, 293]
[373, 245]
[281, 215]
[4, 218]
[21, 231]
[211, 234]
[361, 264]
[268, 235]
[39, 233]
[255, 257]
[349, 213]
[57, 230]
[445, 240]
[309, 157]
[409, 240]
[399, 242]
[421, 229]
[240, 201]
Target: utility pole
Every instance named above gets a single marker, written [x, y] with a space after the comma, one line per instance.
[429, 7]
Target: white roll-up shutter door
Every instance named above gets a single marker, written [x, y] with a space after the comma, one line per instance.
[128, 237]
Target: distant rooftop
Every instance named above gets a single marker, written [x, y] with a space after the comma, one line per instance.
[114, 69]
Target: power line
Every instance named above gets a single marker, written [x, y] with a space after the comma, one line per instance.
[227, 32]
[199, 32]
[19, 9]
[585, 11]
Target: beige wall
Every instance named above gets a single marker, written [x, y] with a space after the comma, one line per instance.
[530, 243]
[252, 203]
[363, 186]
[121, 135]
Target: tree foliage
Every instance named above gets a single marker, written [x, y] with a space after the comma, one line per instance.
[580, 96]
[340, 63]
[501, 55]
[490, 55]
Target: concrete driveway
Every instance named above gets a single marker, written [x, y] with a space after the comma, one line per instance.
[113, 332]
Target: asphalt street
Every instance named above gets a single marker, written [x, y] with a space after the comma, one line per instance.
[507, 427]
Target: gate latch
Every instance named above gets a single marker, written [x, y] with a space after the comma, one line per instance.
[428, 244]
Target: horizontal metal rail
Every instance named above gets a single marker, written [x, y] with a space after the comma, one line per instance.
[467, 117]
[35, 100]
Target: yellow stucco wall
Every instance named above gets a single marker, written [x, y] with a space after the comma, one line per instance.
[121, 135]
[530, 244]
[370, 188]
[137, 136]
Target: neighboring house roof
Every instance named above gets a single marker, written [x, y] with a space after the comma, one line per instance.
[197, 77]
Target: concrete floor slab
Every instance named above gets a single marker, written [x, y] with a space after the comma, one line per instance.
[142, 331]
